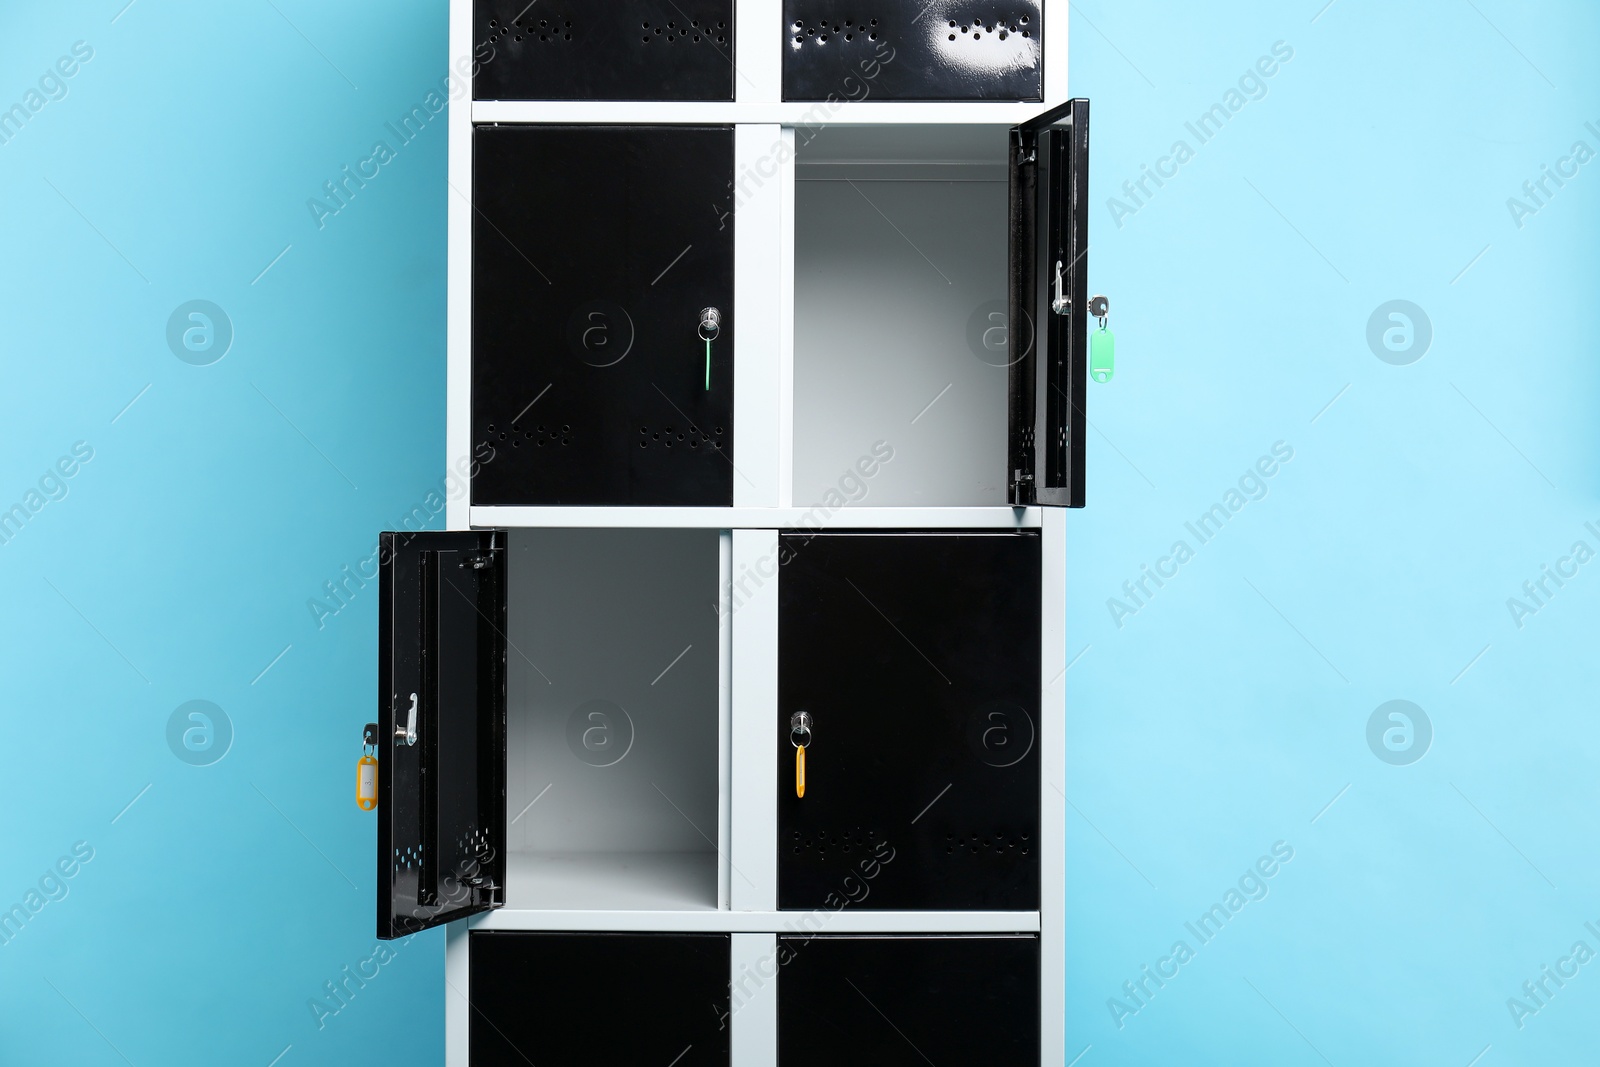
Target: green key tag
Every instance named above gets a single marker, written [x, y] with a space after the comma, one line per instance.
[1102, 354]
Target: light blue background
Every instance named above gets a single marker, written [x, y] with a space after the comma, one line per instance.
[1223, 717]
[1232, 708]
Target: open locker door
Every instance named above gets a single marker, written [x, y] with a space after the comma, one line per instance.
[1049, 288]
[441, 731]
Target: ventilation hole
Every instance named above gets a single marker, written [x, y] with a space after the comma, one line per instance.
[672, 25]
[724, 25]
[874, 22]
[515, 443]
[697, 38]
[823, 39]
[502, 436]
[519, 36]
[646, 25]
[1002, 35]
[849, 37]
[719, 429]
[952, 36]
[1024, 33]
[568, 37]
[1024, 20]
[491, 427]
[872, 37]
[695, 23]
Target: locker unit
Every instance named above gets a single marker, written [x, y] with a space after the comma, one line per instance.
[624, 50]
[724, 724]
[921, 49]
[916, 658]
[586, 998]
[591, 376]
[969, 1000]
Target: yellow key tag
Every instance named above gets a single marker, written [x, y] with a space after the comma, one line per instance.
[800, 738]
[366, 782]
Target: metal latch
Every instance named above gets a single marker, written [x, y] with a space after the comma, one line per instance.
[408, 732]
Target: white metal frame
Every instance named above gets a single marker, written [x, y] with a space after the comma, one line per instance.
[763, 505]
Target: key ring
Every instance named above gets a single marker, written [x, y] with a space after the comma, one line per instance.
[800, 724]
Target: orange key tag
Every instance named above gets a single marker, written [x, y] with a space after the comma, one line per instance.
[800, 738]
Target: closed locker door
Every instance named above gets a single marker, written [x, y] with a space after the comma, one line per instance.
[913, 50]
[956, 1000]
[914, 659]
[618, 50]
[602, 315]
[586, 999]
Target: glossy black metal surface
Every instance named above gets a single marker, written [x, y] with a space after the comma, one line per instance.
[595, 251]
[912, 50]
[565, 1000]
[618, 50]
[441, 800]
[906, 1001]
[1047, 388]
[917, 657]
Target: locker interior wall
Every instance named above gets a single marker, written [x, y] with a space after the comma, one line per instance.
[602, 615]
[900, 241]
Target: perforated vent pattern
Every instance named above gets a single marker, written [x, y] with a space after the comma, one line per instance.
[996, 844]
[821, 842]
[979, 29]
[540, 435]
[543, 30]
[691, 436]
[823, 32]
[691, 32]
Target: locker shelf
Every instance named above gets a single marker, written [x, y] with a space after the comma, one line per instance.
[689, 518]
[844, 921]
[799, 114]
[611, 881]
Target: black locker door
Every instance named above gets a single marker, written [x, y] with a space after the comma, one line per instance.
[441, 730]
[595, 251]
[618, 50]
[916, 658]
[575, 1000]
[1049, 285]
[913, 50]
[908, 1000]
